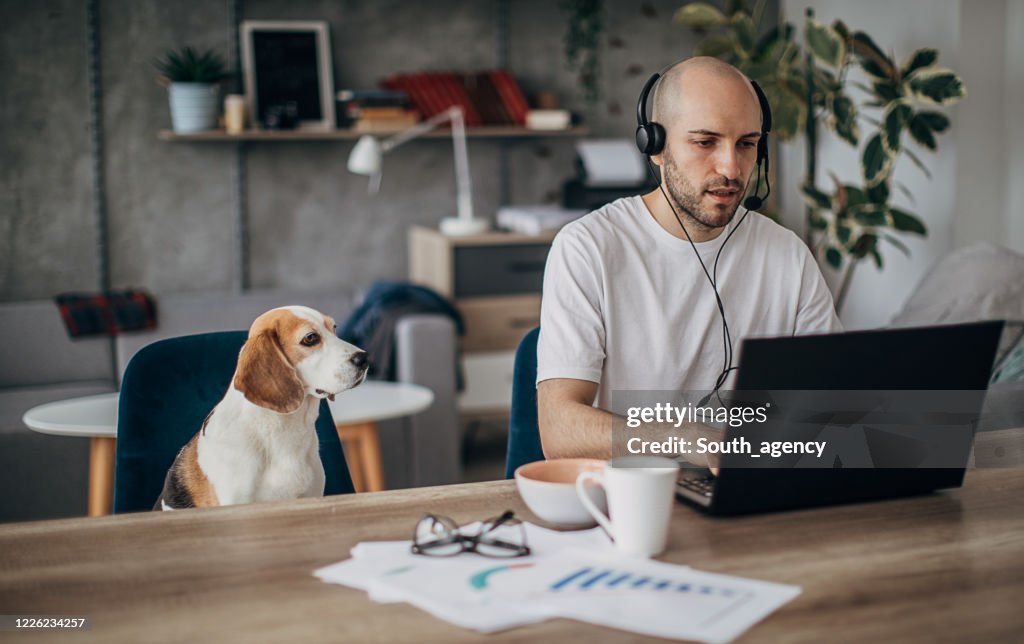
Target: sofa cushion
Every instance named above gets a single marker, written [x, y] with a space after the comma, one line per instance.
[191, 313]
[36, 349]
[978, 282]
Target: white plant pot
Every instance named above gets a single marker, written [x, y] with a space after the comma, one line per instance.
[194, 106]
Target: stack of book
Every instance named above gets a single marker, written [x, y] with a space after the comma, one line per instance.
[487, 98]
[373, 111]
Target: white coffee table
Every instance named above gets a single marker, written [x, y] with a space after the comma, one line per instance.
[356, 413]
[92, 417]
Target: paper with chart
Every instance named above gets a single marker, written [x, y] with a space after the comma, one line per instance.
[643, 596]
[577, 575]
[449, 587]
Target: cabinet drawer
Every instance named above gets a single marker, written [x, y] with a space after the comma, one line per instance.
[488, 382]
[498, 323]
[499, 270]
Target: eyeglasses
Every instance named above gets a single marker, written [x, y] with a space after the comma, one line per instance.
[438, 536]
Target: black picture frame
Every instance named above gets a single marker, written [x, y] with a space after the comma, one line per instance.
[288, 62]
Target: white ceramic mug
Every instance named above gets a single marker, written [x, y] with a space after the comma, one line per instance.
[640, 491]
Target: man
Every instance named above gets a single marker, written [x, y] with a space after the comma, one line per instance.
[626, 303]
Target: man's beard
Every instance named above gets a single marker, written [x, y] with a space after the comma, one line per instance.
[687, 198]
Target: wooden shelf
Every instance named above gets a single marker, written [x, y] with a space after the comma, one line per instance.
[486, 132]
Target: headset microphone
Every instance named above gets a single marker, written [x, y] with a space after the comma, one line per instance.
[753, 202]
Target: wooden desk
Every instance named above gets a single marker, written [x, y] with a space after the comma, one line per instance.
[948, 566]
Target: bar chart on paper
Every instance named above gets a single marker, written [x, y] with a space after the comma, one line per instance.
[587, 578]
[643, 596]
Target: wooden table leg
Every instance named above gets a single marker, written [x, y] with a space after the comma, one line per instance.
[350, 439]
[362, 453]
[102, 450]
[372, 462]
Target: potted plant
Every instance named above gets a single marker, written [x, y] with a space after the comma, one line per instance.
[192, 79]
[810, 84]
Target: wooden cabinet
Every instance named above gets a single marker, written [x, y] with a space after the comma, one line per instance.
[494, 279]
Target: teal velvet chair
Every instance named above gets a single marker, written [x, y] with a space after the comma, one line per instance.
[523, 432]
[167, 390]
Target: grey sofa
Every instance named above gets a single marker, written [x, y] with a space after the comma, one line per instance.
[46, 476]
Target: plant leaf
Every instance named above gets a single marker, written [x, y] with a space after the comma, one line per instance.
[871, 215]
[745, 33]
[876, 161]
[843, 233]
[936, 121]
[788, 112]
[937, 85]
[918, 60]
[855, 196]
[877, 256]
[902, 220]
[872, 59]
[716, 45]
[844, 118]
[897, 243]
[770, 46]
[824, 43]
[699, 16]
[815, 198]
[895, 117]
[833, 257]
[917, 161]
[879, 193]
[906, 192]
[921, 133]
[839, 199]
[887, 92]
[864, 245]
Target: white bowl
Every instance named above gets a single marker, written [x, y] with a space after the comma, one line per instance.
[549, 489]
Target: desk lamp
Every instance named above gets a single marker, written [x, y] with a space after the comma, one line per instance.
[367, 153]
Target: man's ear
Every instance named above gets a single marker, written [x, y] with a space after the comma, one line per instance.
[265, 377]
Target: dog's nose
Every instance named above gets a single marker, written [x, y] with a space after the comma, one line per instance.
[358, 359]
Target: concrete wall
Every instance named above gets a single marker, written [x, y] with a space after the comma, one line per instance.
[171, 205]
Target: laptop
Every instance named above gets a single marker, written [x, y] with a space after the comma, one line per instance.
[956, 359]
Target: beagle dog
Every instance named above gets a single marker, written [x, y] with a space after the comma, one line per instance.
[260, 443]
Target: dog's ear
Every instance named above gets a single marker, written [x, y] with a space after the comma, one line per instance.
[265, 377]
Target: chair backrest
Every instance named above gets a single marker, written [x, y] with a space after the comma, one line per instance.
[523, 432]
[168, 389]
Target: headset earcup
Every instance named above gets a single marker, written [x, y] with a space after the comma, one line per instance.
[657, 141]
[650, 138]
[643, 138]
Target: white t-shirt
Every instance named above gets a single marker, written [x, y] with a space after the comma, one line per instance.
[626, 304]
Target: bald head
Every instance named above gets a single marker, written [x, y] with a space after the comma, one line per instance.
[691, 86]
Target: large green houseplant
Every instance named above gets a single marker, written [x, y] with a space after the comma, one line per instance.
[808, 84]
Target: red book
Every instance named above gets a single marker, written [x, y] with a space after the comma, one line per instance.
[436, 89]
[511, 95]
[400, 82]
[489, 94]
[456, 95]
[420, 88]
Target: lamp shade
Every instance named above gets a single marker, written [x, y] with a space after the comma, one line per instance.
[365, 157]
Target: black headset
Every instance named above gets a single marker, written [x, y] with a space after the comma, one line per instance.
[650, 140]
[650, 135]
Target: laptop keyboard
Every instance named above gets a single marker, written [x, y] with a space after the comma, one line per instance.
[702, 485]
